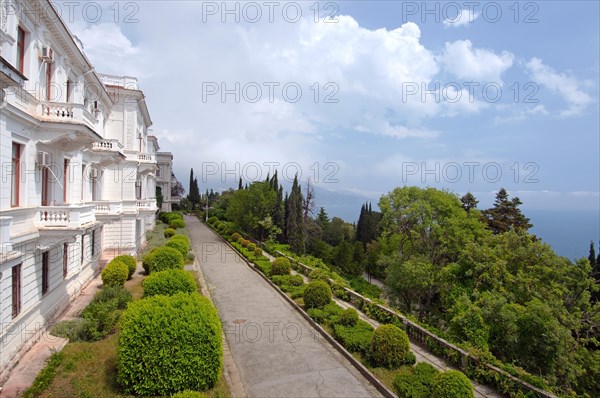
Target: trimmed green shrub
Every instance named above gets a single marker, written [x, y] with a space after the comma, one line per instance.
[130, 261]
[245, 242]
[169, 344]
[390, 347]
[349, 317]
[415, 382]
[188, 394]
[317, 294]
[290, 280]
[318, 275]
[178, 244]
[177, 223]
[115, 273]
[280, 266]
[163, 258]
[168, 283]
[264, 266]
[355, 338]
[169, 232]
[251, 246]
[258, 252]
[235, 237]
[451, 384]
[147, 259]
[182, 237]
[240, 240]
[212, 220]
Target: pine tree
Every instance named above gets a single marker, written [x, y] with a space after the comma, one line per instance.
[592, 255]
[506, 215]
[295, 225]
[240, 186]
[194, 192]
[191, 182]
[469, 202]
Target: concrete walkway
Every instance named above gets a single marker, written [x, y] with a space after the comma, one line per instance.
[421, 354]
[277, 352]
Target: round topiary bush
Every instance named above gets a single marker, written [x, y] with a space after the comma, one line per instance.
[317, 295]
[280, 266]
[147, 259]
[115, 273]
[240, 240]
[179, 244]
[318, 275]
[235, 237]
[168, 283]
[129, 261]
[451, 384]
[177, 223]
[163, 258]
[169, 344]
[212, 220]
[251, 247]
[349, 317]
[390, 347]
[169, 232]
[245, 243]
[258, 252]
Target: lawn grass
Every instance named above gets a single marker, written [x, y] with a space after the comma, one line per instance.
[89, 369]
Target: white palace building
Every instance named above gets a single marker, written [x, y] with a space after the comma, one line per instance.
[78, 177]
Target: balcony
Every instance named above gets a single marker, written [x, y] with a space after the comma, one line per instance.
[58, 219]
[146, 205]
[108, 152]
[62, 112]
[107, 211]
[145, 158]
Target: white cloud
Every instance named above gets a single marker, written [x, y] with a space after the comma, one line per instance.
[464, 17]
[109, 49]
[566, 86]
[464, 62]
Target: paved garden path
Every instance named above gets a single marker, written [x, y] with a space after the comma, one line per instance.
[276, 351]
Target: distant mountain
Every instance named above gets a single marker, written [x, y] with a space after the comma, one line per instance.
[345, 205]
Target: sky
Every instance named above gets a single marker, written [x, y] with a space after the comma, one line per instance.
[362, 97]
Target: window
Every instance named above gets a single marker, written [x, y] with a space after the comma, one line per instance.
[45, 186]
[49, 78]
[65, 181]
[21, 50]
[16, 290]
[68, 97]
[82, 248]
[82, 179]
[16, 174]
[65, 260]
[93, 243]
[45, 269]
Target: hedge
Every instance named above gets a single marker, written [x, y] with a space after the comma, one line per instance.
[169, 232]
[235, 237]
[415, 382]
[115, 273]
[168, 344]
[163, 258]
[188, 394]
[317, 294]
[355, 338]
[129, 261]
[169, 282]
[390, 347]
[280, 266]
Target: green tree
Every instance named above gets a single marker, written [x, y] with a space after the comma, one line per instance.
[251, 208]
[344, 258]
[159, 198]
[410, 283]
[592, 255]
[194, 192]
[505, 215]
[468, 201]
[295, 220]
